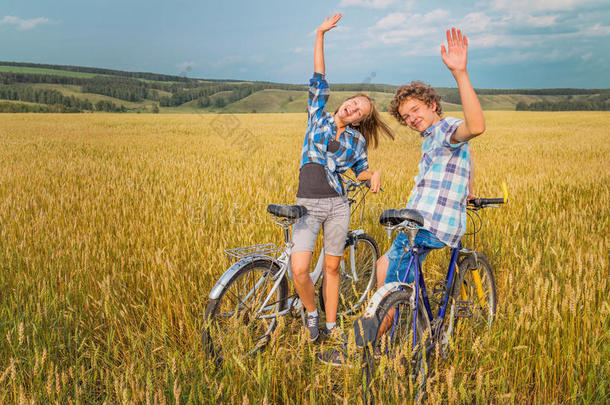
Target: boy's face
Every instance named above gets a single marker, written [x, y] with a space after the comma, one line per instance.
[417, 114]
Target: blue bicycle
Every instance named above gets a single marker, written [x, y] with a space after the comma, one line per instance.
[397, 329]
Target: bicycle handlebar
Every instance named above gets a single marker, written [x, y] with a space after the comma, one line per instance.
[352, 185]
[478, 203]
[484, 202]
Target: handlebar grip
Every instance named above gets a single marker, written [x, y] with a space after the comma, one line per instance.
[480, 202]
[368, 183]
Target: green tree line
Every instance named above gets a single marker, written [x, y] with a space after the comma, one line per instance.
[601, 102]
[237, 92]
[54, 97]
[121, 88]
[6, 107]
[101, 71]
[136, 87]
[567, 105]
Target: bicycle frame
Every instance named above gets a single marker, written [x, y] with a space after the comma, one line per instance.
[420, 285]
[285, 269]
[269, 252]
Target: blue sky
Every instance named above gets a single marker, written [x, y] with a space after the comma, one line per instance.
[513, 44]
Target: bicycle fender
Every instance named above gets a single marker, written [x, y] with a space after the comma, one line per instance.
[231, 271]
[371, 308]
[366, 326]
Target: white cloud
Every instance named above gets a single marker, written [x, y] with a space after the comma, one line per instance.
[539, 55]
[435, 16]
[476, 22]
[23, 25]
[485, 40]
[516, 31]
[400, 28]
[405, 35]
[378, 4]
[542, 21]
[298, 49]
[596, 30]
[587, 56]
[526, 6]
[391, 21]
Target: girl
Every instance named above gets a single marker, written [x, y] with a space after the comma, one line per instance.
[333, 144]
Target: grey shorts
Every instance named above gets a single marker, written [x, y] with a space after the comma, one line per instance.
[332, 214]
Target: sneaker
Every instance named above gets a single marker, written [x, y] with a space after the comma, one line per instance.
[335, 336]
[311, 324]
[335, 357]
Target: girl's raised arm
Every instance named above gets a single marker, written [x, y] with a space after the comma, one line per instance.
[318, 56]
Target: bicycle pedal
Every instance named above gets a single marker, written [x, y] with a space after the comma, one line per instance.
[463, 309]
[438, 292]
[439, 288]
[435, 325]
[296, 307]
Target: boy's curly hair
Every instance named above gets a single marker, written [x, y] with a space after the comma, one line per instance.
[419, 91]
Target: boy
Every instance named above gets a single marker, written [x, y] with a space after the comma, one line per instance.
[442, 185]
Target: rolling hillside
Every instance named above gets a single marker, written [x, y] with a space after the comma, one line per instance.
[78, 89]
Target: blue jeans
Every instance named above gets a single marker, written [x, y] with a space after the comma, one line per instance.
[399, 259]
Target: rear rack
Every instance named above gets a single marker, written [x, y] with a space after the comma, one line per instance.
[269, 249]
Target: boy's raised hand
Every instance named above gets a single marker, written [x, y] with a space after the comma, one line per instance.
[457, 56]
[329, 23]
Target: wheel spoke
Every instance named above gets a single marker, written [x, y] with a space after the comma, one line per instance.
[353, 293]
[396, 345]
[235, 324]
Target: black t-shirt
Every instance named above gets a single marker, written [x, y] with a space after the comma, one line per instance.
[312, 178]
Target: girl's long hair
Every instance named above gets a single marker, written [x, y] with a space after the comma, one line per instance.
[371, 125]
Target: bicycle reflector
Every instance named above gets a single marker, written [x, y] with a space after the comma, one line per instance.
[505, 192]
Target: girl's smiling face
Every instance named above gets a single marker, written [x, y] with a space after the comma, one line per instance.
[353, 110]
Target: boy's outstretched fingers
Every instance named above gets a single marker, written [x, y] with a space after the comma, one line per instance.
[456, 52]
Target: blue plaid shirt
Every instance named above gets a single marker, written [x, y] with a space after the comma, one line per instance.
[441, 187]
[321, 128]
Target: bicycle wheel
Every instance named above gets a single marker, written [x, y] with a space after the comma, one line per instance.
[392, 354]
[353, 291]
[476, 297]
[237, 322]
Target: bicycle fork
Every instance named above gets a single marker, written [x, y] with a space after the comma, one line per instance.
[473, 266]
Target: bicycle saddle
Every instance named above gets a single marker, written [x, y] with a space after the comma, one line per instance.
[287, 211]
[394, 217]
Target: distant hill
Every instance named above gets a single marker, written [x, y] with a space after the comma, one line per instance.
[57, 88]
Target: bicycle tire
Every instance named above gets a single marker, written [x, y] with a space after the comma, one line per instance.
[480, 313]
[397, 350]
[352, 295]
[446, 333]
[229, 325]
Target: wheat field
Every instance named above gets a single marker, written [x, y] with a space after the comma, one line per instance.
[112, 231]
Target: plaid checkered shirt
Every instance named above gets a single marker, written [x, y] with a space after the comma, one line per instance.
[321, 128]
[441, 187]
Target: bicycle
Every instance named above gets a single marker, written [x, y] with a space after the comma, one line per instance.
[247, 300]
[397, 326]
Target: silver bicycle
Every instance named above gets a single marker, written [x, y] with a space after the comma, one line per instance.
[250, 296]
